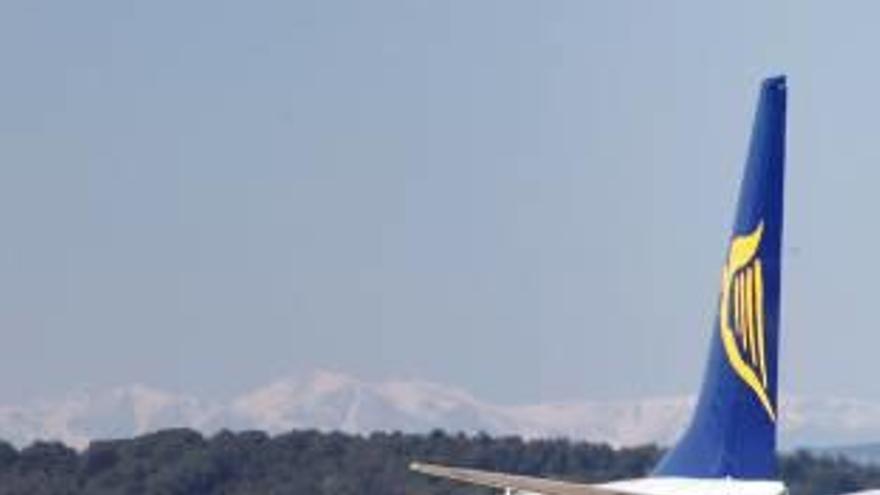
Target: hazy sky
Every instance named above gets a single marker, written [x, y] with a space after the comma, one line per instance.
[529, 200]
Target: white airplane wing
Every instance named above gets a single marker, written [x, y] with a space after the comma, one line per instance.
[523, 485]
[512, 482]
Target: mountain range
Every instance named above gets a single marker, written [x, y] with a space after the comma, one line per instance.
[334, 401]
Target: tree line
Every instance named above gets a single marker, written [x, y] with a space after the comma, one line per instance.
[182, 461]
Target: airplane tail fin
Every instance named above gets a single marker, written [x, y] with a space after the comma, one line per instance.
[733, 430]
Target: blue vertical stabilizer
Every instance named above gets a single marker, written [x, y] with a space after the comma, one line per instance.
[733, 429]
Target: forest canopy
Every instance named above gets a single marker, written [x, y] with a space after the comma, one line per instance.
[182, 461]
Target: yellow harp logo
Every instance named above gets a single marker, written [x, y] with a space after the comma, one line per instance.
[741, 314]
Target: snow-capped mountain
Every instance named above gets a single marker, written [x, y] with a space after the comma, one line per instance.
[333, 401]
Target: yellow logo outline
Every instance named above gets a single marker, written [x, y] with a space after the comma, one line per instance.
[742, 291]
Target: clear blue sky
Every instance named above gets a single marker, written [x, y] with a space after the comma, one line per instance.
[529, 200]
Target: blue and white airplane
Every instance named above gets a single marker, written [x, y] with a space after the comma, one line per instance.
[729, 448]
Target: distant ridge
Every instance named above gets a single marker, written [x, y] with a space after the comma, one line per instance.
[335, 401]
